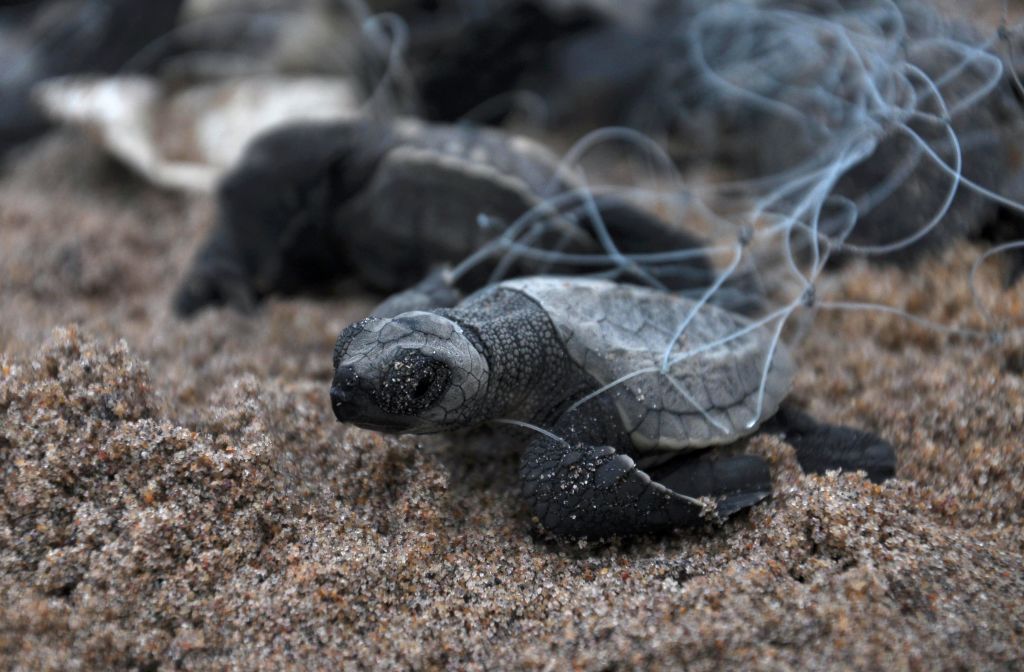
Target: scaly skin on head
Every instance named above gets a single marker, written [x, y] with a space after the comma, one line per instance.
[531, 378]
[415, 373]
[499, 357]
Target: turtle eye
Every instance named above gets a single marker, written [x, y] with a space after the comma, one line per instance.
[423, 385]
[412, 383]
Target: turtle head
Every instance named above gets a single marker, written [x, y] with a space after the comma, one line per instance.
[416, 373]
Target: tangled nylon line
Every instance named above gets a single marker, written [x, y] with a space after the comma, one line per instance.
[850, 79]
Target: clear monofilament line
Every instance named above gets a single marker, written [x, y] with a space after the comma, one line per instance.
[532, 427]
[768, 361]
[612, 385]
[705, 413]
[719, 281]
[956, 174]
[892, 310]
[854, 78]
[397, 40]
[739, 333]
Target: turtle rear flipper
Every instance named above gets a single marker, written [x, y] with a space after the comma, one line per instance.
[821, 447]
[736, 482]
[831, 447]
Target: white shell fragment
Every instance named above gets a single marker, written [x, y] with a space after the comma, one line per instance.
[187, 138]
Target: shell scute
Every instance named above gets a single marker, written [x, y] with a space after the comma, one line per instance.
[619, 332]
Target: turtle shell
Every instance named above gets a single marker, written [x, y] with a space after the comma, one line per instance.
[618, 332]
[423, 202]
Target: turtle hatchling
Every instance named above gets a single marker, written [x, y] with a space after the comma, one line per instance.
[390, 203]
[628, 442]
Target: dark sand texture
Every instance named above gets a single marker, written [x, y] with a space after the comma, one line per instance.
[178, 495]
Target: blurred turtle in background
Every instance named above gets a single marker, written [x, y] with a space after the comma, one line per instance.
[771, 90]
[187, 136]
[776, 90]
[392, 203]
[226, 73]
[48, 38]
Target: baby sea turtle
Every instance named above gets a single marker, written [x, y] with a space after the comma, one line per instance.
[387, 203]
[53, 38]
[624, 447]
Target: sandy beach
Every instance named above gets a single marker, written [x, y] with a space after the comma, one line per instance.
[178, 495]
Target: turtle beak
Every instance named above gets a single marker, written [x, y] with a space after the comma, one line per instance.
[345, 396]
[353, 405]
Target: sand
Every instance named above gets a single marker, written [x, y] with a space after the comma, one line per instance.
[178, 495]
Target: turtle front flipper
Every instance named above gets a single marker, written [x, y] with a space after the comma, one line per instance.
[821, 447]
[581, 490]
[277, 228]
[216, 278]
